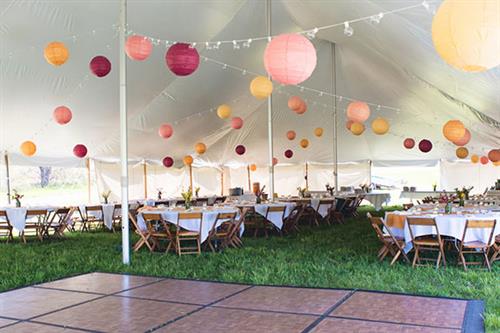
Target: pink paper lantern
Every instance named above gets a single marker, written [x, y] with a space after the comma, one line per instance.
[62, 115]
[425, 146]
[288, 153]
[236, 123]
[290, 135]
[240, 149]
[138, 47]
[182, 59]
[100, 66]
[80, 151]
[463, 140]
[409, 143]
[295, 102]
[290, 58]
[165, 131]
[275, 161]
[484, 160]
[358, 112]
[348, 124]
[168, 161]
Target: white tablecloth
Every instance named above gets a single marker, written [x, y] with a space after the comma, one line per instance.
[275, 218]
[377, 199]
[209, 218]
[417, 195]
[108, 211]
[323, 209]
[17, 215]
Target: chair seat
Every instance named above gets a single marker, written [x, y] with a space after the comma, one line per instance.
[426, 241]
[398, 238]
[185, 233]
[221, 234]
[160, 234]
[475, 244]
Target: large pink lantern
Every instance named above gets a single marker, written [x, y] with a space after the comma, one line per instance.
[240, 149]
[358, 112]
[165, 131]
[80, 151]
[290, 58]
[236, 122]
[62, 115]
[138, 47]
[168, 161]
[463, 140]
[182, 59]
[100, 66]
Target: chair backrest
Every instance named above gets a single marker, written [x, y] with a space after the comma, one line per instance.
[422, 221]
[377, 224]
[480, 224]
[39, 214]
[132, 217]
[4, 220]
[237, 224]
[276, 209]
[328, 203]
[224, 217]
[93, 208]
[296, 214]
[150, 219]
[62, 215]
[340, 204]
[189, 216]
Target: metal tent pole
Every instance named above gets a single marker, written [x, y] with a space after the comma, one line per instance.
[335, 127]
[270, 114]
[89, 190]
[145, 178]
[7, 176]
[124, 135]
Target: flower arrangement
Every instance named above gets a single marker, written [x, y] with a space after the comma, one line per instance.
[17, 197]
[197, 191]
[302, 191]
[463, 194]
[188, 197]
[434, 186]
[105, 196]
[445, 198]
[330, 189]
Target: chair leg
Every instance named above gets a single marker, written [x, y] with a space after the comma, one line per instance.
[462, 259]
[415, 257]
[486, 260]
[396, 257]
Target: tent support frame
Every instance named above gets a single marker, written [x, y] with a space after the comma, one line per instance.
[7, 176]
[335, 127]
[270, 113]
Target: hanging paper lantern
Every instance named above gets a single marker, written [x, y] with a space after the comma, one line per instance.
[453, 130]
[290, 58]
[275, 161]
[484, 160]
[182, 59]
[188, 160]
[80, 151]
[474, 158]
[200, 148]
[425, 146]
[318, 132]
[358, 112]
[357, 128]
[165, 131]
[224, 111]
[304, 143]
[240, 149]
[56, 53]
[168, 161]
[28, 148]
[380, 126]
[302, 109]
[261, 87]
[236, 123]
[466, 34]
[62, 115]
[295, 103]
[409, 143]
[100, 66]
[138, 47]
[348, 124]
[290, 135]
[462, 152]
[288, 153]
[496, 163]
[253, 167]
[464, 139]
[494, 155]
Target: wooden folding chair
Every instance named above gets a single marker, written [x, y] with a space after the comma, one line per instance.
[390, 243]
[91, 215]
[183, 236]
[117, 217]
[496, 250]
[234, 239]
[144, 234]
[35, 221]
[266, 224]
[5, 227]
[338, 213]
[58, 221]
[428, 242]
[159, 230]
[476, 247]
[219, 234]
[291, 223]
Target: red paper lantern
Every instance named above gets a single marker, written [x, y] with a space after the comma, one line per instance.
[275, 161]
[138, 47]
[100, 66]
[290, 135]
[168, 161]
[484, 160]
[62, 115]
[288, 153]
[494, 155]
[358, 112]
[425, 146]
[165, 131]
[182, 59]
[463, 140]
[240, 149]
[80, 151]
[409, 143]
[236, 122]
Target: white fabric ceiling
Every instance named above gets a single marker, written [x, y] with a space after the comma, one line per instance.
[392, 63]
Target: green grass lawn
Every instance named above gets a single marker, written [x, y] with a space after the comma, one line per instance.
[342, 256]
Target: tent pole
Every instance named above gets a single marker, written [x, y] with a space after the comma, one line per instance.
[270, 114]
[7, 176]
[335, 127]
[307, 177]
[145, 176]
[249, 181]
[191, 177]
[124, 135]
[222, 182]
[89, 191]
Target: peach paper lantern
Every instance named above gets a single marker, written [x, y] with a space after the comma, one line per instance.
[484, 160]
[253, 167]
[358, 112]
[261, 87]
[236, 123]
[138, 47]
[466, 34]
[380, 126]
[295, 102]
[290, 58]
[462, 152]
[188, 160]
[318, 132]
[165, 131]
[28, 148]
[275, 161]
[357, 128]
[494, 155]
[304, 143]
[409, 143]
[224, 111]
[464, 139]
[302, 108]
[56, 53]
[62, 115]
[474, 159]
[200, 148]
[453, 130]
[290, 135]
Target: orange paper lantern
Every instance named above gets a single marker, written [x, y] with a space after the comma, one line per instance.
[318, 132]
[290, 135]
[462, 152]
[253, 167]
[261, 87]
[28, 148]
[224, 111]
[358, 111]
[304, 143]
[380, 126]
[453, 130]
[188, 160]
[56, 53]
[200, 148]
[474, 158]
[357, 128]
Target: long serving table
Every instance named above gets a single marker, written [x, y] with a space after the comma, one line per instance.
[276, 218]
[108, 210]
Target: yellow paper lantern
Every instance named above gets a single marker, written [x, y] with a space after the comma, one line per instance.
[253, 167]
[318, 132]
[224, 111]
[261, 87]
[380, 126]
[304, 143]
[188, 160]
[28, 148]
[474, 158]
[56, 53]
[357, 128]
[200, 148]
[466, 34]
[462, 152]
[453, 130]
